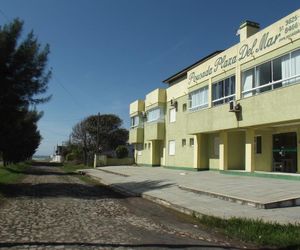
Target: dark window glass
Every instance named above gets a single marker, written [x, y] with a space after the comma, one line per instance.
[263, 76]
[258, 145]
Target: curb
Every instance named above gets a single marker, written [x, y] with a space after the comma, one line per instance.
[291, 202]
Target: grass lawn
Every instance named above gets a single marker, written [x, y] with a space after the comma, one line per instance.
[71, 168]
[255, 231]
[12, 173]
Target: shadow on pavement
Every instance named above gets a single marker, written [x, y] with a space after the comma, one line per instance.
[73, 190]
[37, 171]
[144, 186]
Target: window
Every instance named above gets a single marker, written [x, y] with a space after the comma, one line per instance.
[183, 142]
[216, 146]
[258, 144]
[248, 82]
[154, 114]
[135, 121]
[171, 147]
[184, 107]
[295, 65]
[274, 74]
[198, 99]
[139, 148]
[223, 91]
[149, 145]
[145, 145]
[263, 75]
[192, 142]
[172, 114]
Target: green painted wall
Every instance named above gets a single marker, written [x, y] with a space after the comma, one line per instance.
[154, 131]
[177, 131]
[263, 161]
[213, 156]
[145, 157]
[236, 150]
[136, 135]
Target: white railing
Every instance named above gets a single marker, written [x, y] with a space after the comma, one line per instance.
[195, 108]
[161, 119]
[223, 98]
[271, 84]
[140, 125]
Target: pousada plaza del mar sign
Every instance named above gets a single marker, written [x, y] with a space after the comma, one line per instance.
[281, 33]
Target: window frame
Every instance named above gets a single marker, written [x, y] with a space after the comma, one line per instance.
[174, 115]
[292, 79]
[258, 146]
[154, 109]
[224, 98]
[132, 119]
[169, 147]
[201, 106]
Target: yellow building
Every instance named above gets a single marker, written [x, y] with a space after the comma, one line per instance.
[237, 109]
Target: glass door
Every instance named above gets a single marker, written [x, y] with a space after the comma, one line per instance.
[285, 152]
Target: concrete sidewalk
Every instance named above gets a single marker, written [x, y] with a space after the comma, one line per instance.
[207, 192]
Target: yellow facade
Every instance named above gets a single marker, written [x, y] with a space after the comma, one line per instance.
[188, 124]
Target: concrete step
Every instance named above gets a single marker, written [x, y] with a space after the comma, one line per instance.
[289, 202]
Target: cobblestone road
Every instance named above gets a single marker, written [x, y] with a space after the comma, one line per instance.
[54, 210]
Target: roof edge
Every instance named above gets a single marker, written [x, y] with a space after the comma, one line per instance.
[180, 73]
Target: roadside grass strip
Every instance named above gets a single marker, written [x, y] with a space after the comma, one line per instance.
[255, 231]
[12, 173]
[72, 168]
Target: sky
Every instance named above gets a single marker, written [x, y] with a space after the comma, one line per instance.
[106, 54]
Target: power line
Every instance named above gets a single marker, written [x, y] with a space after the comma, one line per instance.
[62, 120]
[4, 15]
[67, 91]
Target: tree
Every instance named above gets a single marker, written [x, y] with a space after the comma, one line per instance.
[81, 138]
[121, 151]
[22, 147]
[105, 128]
[23, 81]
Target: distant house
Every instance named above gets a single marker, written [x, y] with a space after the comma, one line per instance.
[57, 156]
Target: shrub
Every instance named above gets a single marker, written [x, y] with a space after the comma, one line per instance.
[121, 151]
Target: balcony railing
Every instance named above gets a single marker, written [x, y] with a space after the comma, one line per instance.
[284, 82]
[224, 99]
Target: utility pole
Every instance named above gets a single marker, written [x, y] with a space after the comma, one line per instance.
[98, 141]
[98, 130]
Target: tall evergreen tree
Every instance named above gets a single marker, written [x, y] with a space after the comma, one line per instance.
[23, 81]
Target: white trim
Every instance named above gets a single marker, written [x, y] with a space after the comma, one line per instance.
[270, 84]
[172, 147]
[222, 98]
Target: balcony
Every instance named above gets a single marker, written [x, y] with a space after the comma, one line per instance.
[270, 107]
[136, 135]
[155, 98]
[154, 131]
[136, 107]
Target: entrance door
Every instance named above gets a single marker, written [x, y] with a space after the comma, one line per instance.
[285, 152]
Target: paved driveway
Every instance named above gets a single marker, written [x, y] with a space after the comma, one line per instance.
[54, 210]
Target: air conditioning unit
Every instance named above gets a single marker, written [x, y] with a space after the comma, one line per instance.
[144, 114]
[174, 103]
[234, 107]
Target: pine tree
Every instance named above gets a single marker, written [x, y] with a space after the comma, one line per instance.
[24, 79]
